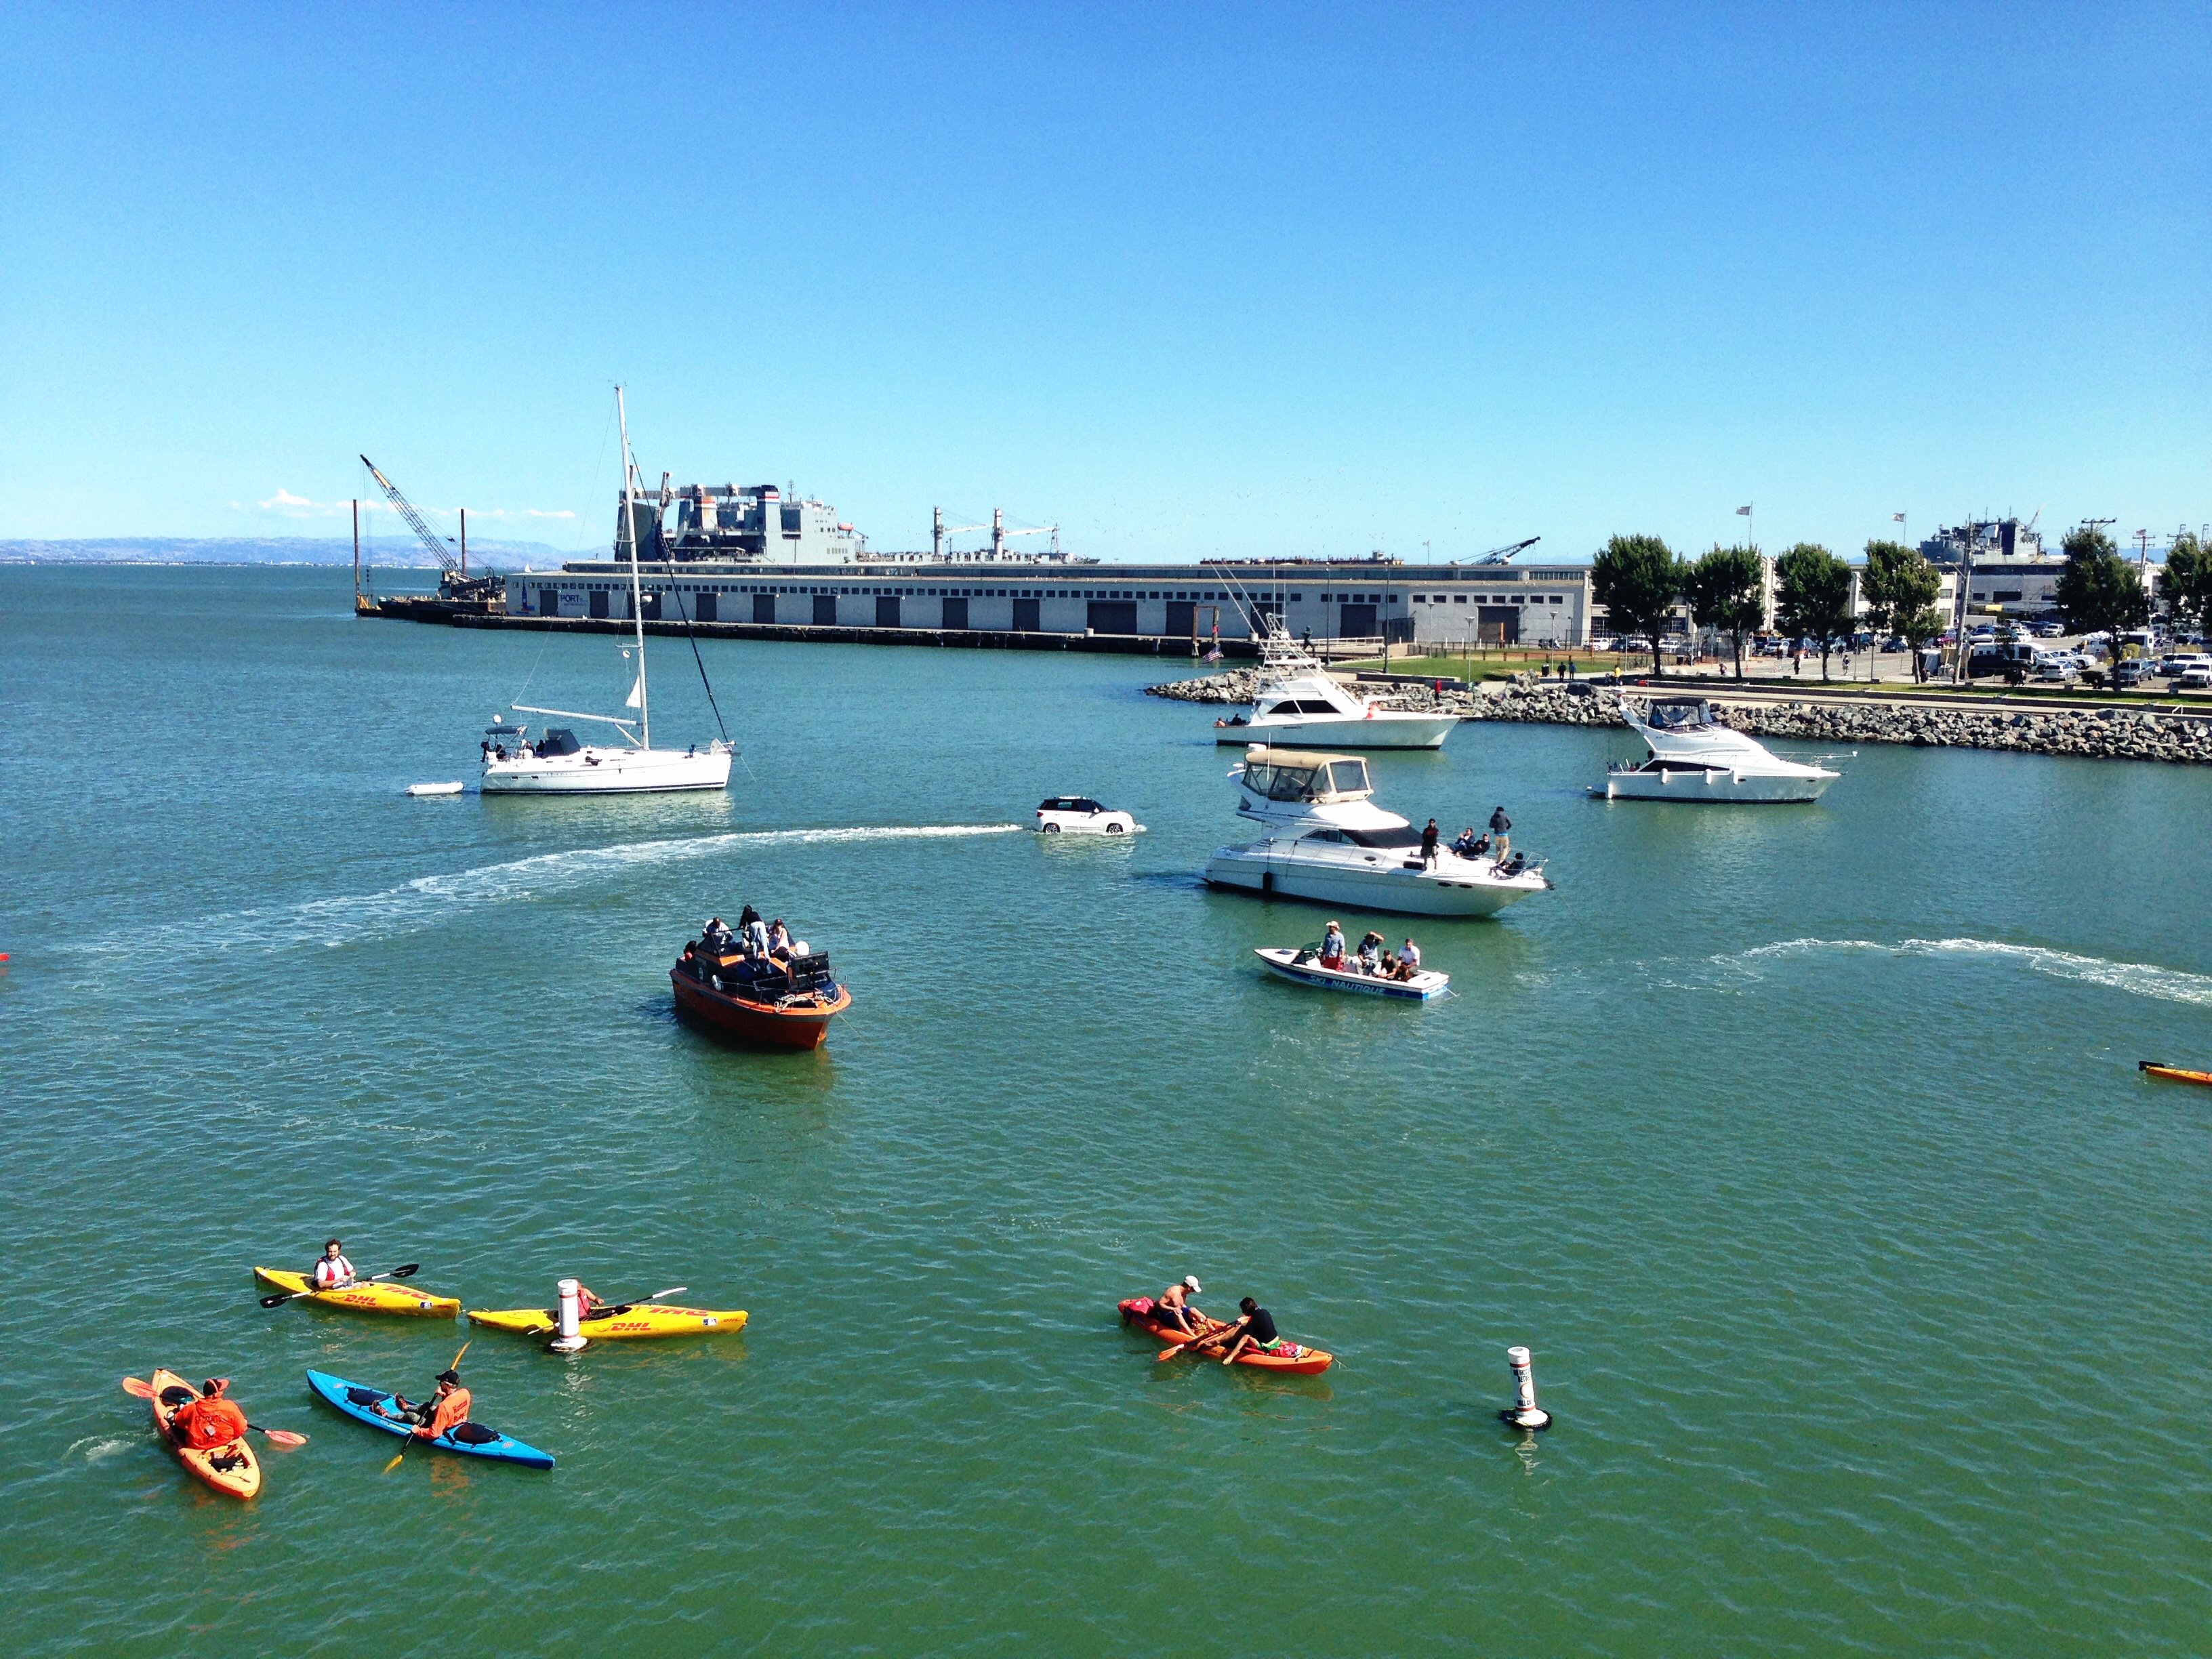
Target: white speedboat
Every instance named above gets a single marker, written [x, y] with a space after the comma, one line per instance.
[1695, 757]
[1328, 842]
[1299, 699]
[558, 764]
[1303, 968]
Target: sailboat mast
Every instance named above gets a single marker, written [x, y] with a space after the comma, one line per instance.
[636, 592]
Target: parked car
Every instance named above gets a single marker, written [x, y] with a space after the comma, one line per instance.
[2130, 672]
[2197, 677]
[1079, 815]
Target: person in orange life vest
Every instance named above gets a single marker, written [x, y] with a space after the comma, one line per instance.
[333, 1271]
[447, 1408]
[210, 1421]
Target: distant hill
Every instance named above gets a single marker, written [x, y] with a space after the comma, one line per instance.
[259, 550]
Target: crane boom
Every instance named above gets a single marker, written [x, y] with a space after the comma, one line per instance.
[455, 583]
[405, 509]
[1504, 555]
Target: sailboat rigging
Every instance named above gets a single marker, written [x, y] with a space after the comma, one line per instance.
[555, 763]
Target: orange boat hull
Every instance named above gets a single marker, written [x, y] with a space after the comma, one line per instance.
[2174, 1073]
[232, 1470]
[800, 1025]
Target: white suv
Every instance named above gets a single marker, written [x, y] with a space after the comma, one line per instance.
[1078, 815]
[2197, 677]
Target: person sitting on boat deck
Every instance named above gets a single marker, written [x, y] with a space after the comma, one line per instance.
[1499, 839]
[1516, 864]
[1389, 970]
[1409, 958]
[1371, 953]
[208, 1422]
[716, 937]
[1255, 1328]
[333, 1271]
[447, 1408]
[754, 931]
[1332, 948]
[1464, 843]
[1172, 1306]
[779, 941]
[1430, 837]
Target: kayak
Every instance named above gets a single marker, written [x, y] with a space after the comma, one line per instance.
[472, 1439]
[1303, 1362]
[232, 1470]
[623, 1320]
[363, 1298]
[2173, 1073]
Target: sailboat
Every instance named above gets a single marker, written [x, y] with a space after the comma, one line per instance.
[557, 763]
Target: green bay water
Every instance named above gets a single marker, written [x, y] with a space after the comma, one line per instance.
[1805, 1147]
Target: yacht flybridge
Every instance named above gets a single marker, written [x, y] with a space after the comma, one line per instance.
[1328, 842]
[1298, 698]
[1695, 757]
[558, 764]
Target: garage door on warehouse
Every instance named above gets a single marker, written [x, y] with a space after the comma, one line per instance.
[825, 610]
[1356, 622]
[764, 607]
[887, 610]
[1025, 617]
[956, 613]
[1498, 625]
[1111, 617]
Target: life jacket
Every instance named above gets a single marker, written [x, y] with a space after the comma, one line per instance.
[329, 1272]
[451, 1412]
[207, 1425]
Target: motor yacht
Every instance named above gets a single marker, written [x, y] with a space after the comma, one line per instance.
[1298, 698]
[1692, 757]
[1328, 842]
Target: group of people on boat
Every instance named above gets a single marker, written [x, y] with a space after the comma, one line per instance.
[1373, 958]
[766, 943]
[1495, 844]
[1253, 1327]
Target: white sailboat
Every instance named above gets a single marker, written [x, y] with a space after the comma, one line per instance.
[557, 763]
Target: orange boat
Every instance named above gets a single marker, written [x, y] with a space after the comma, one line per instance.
[1301, 1361]
[2174, 1073]
[232, 1470]
[787, 1003]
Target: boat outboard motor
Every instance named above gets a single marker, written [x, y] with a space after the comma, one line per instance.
[570, 1318]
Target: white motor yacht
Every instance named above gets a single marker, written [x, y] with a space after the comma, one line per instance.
[1695, 757]
[558, 764]
[1299, 698]
[1328, 842]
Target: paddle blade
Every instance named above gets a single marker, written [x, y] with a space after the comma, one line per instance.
[285, 1437]
[1166, 1354]
[407, 1272]
[276, 1301]
[394, 1463]
[673, 1290]
[137, 1387]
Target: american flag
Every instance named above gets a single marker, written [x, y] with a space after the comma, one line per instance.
[1743, 511]
[1897, 518]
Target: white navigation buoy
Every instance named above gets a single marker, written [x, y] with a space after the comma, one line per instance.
[570, 1319]
[1524, 1413]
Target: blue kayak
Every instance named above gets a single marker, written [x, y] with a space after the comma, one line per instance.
[472, 1439]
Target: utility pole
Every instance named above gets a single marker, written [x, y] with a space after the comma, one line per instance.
[464, 542]
[356, 554]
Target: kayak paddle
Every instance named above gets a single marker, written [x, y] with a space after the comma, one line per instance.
[407, 1272]
[606, 1309]
[1213, 1336]
[143, 1390]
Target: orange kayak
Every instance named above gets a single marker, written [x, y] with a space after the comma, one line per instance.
[232, 1470]
[2173, 1073]
[1301, 1362]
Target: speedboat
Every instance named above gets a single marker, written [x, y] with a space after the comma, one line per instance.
[1692, 757]
[1298, 698]
[1303, 968]
[1329, 843]
[558, 764]
[788, 1002]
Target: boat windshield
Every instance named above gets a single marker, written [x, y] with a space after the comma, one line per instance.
[1348, 777]
[1343, 777]
[559, 740]
[1677, 716]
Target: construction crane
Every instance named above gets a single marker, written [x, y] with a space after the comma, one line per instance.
[1504, 555]
[455, 582]
[1000, 535]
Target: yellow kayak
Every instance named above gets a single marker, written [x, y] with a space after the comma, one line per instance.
[381, 1297]
[630, 1318]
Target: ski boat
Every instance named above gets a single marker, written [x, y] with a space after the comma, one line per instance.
[557, 763]
[1328, 843]
[1303, 968]
[755, 1000]
[1692, 757]
[1298, 698]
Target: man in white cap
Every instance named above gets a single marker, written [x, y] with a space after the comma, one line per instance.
[1172, 1306]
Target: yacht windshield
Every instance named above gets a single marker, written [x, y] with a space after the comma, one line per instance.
[1291, 783]
[1348, 777]
[1677, 716]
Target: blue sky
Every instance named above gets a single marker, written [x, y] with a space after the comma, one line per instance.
[1188, 281]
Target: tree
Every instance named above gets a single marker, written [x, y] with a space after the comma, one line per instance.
[1638, 578]
[2186, 587]
[1814, 596]
[1900, 589]
[2099, 590]
[1727, 590]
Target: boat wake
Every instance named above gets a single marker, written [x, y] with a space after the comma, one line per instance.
[427, 900]
[2137, 978]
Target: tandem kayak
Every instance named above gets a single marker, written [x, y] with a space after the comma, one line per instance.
[364, 1297]
[2173, 1073]
[472, 1439]
[634, 1319]
[232, 1470]
[1301, 1362]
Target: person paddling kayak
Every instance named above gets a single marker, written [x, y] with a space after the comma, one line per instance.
[1254, 1328]
[1172, 1306]
[211, 1422]
[446, 1409]
[333, 1271]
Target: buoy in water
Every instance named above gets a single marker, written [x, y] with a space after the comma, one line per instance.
[433, 788]
[570, 1318]
[1524, 1413]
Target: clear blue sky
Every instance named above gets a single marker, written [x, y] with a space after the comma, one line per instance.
[1188, 280]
